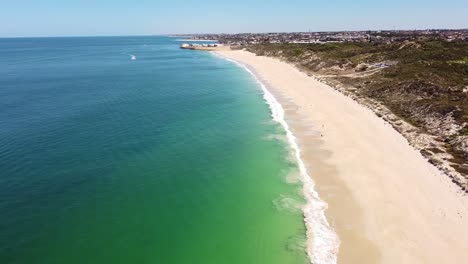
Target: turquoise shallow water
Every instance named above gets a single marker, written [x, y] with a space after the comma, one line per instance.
[170, 158]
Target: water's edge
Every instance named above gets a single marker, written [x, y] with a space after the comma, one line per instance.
[322, 241]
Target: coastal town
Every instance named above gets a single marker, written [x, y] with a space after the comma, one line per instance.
[381, 36]
[391, 61]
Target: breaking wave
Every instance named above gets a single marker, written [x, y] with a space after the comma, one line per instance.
[322, 241]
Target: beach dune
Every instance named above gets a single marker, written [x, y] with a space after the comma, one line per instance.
[386, 202]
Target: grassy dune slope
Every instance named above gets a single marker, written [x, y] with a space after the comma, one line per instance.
[421, 88]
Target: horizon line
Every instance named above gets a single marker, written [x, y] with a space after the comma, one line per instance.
[219, 33]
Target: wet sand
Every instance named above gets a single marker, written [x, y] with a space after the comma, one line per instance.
[386, 202]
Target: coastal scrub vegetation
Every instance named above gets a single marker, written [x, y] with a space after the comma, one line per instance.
[425, 83]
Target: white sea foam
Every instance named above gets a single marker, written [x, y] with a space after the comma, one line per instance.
[293, 177]
[322, 241]
[132, 57]
[286, 204]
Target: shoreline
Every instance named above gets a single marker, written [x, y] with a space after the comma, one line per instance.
[325, 247]
[385, 201]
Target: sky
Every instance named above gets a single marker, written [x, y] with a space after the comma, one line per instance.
[35, 18]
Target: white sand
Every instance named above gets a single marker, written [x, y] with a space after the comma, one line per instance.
[386, 202]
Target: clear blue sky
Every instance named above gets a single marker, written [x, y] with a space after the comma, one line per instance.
[147, 17]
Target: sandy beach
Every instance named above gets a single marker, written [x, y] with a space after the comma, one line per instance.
[385, 201]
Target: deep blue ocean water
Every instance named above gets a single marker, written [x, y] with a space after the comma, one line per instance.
[170, 157]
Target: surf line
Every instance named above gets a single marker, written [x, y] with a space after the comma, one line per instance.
[322, 241]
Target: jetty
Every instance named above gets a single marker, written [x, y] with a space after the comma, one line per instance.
[206, 47]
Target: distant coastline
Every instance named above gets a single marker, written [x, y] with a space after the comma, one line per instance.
[196, 40]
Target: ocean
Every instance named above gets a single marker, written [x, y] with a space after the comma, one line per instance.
[131, 150]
